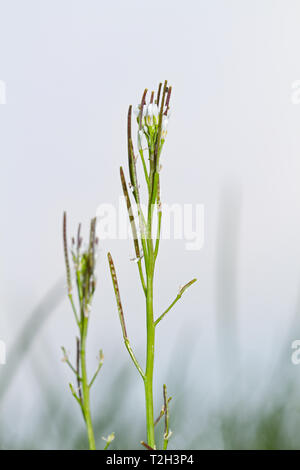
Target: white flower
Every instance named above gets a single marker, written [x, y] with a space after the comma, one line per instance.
[165, 122]
[137, 110]
[155, 110]
[168, 435]
[152, 112]
[141, 139]
[109, 438]
[149, 115]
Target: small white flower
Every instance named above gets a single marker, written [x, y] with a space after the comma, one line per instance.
[165, 122]
[136, 110]
[155, 110]
[140, 139]
[167, 436]
[150, 110]
[109, 438]
[149, 115]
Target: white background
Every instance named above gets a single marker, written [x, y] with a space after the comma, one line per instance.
[71, 69]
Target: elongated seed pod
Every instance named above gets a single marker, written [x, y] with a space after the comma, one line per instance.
[130, 214]
[160, 116]
[117, 295]
[143, 101]
[158, 94]
[69, 282]
[78, 346]
[186, 286]
[168, 100]
[131, 159]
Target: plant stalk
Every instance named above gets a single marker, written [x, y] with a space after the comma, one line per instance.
[148, 381]
[86, 389]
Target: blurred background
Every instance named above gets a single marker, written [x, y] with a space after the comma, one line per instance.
[71, 68]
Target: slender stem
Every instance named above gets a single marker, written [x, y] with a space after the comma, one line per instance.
[73, 308]
[148, 381]
[86, 389]
[144, 167]
[107, 445]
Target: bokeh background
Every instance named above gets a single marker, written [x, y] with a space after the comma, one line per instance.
[71, 68]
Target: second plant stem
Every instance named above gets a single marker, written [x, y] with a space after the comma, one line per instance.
[86, 388]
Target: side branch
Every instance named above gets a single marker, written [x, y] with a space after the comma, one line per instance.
[100, 364]
[121, 314]
[181, 291]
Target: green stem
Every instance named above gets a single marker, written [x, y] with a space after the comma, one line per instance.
[148, 381]
[73, 308]
[86, 389]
